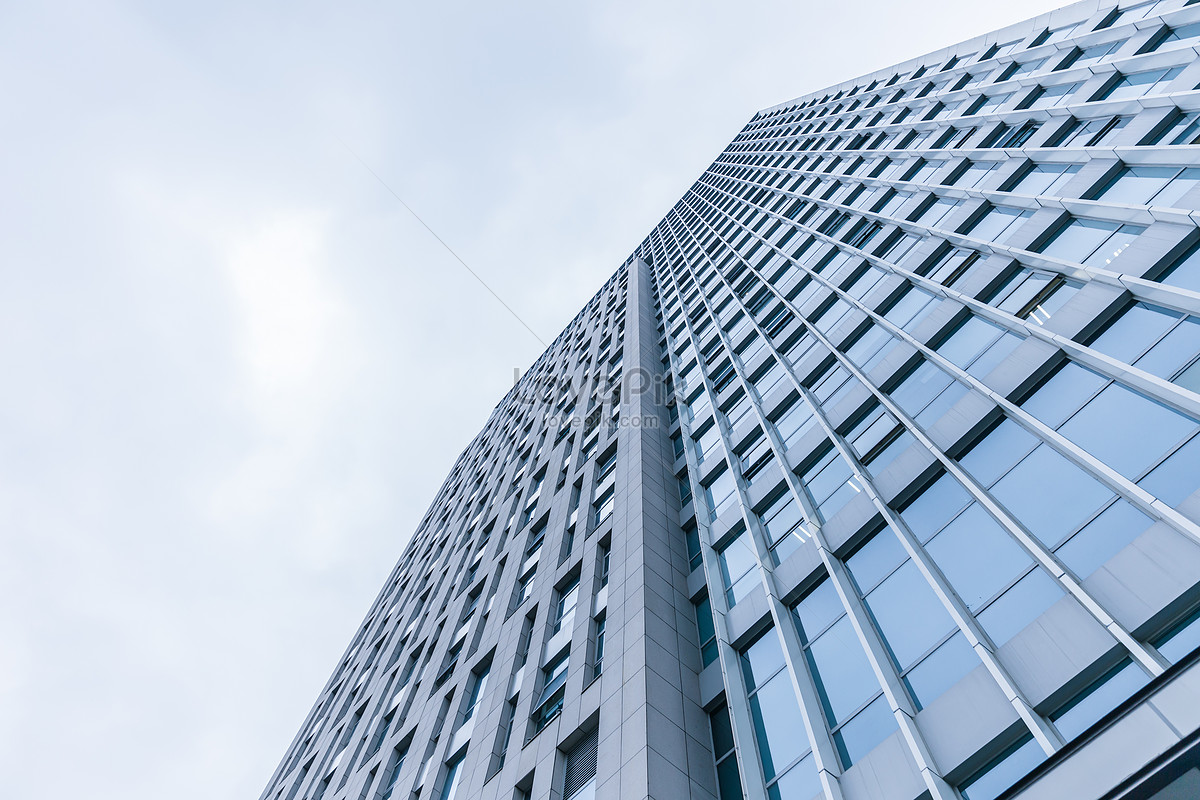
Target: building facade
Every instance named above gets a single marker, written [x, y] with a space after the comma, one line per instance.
[872, 473]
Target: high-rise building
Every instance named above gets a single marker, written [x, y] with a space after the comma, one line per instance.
[871, 474]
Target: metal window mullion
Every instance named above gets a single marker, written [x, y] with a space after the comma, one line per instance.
[1149, 659]
[803, 684]
[1047, 737]
[1165, 391]
[1114, 480]
[870, 639]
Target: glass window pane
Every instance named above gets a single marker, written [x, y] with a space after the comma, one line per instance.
[935, 506]
[997, 452]
[1049, 495]
[1063, 394]
[818, 609]
[1147, 429]
[1098, 699]
[1004, 772]
[941, 669]
[801, 781]
[778, 724]
[1103, 538]
[728, 781]
[876, 559]
[909, 614]
[977, 556]
[762, 659]
[1177, 477]
[1019, 606]
[868, 728]
[1132, 333]
[844, 675]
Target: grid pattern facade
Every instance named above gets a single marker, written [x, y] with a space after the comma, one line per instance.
[871, 474]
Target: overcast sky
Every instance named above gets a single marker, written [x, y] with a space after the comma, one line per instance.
[235, 369]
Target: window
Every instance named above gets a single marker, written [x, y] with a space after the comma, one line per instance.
[738, 567]
[564, 612]
[1004, 771]
[1102, 696]
[1140, 84]
[729, 783]
[579, 781]
[554, 681]
[926, 646]
[1092, 132]
[1045, 179]
[997, 223]
[798, 419]
[1148, 429]
[598, 650]
[1184, 273]
[453, 776]
[855, 708]
[983, 582]
[721, 493]
[1051, 96]
[1034, 296]
[395, 766]
[978, 345]
[926, 393]
[602, 508]
[478, 686]
[1145, 186]
[707, 630]
[782, 521]
[1093, 243]
[783, 745]
[1184, 129]
[830, 484]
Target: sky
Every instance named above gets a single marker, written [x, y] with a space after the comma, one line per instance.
[236, 368]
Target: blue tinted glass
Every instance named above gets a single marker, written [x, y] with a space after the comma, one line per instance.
[998, 451]
[819, 607]
[1134, 331]
[868, 728]
[1186, 272]
[968, 341]
[1019, 606]
[941, 669]
[1000, 775]
[778, 724]
[909, 614]
[875, 559]
[934, 507]
[1098, 699]
[1103, 538]
[1007, 343]
[977, 556]
[728, 780]
[1174, 351]
[762, 659]
[1063, 394]
[843, 672]
[1177, 477]
[801, 781]
[918, 389]
[1050, 495]
[722, 731]
[1181, 640]
[1079, 239]
[941, 404]
[1126, 430]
